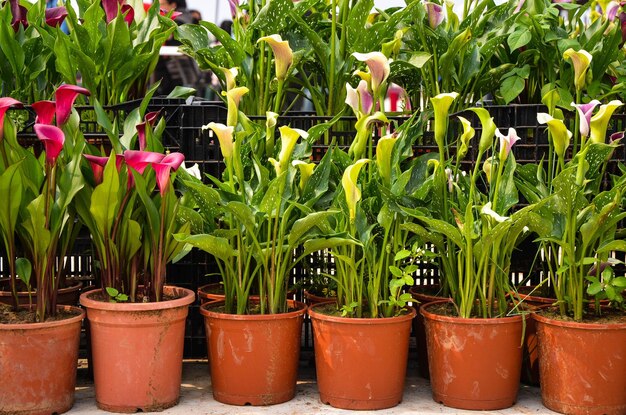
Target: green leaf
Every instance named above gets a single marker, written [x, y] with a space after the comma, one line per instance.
[10, 184]
[594, 288]
[105, 198]
[24, 270]
[319, 244]
[235, 50]
[616, 245]
[112, 292]
[182, 92]
[419, 59]
[619, 282]
[519, 38]
[218, 247]
[511, 88]
[302, 226]
[272, 18]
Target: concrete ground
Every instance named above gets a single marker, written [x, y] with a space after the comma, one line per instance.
[196, 397]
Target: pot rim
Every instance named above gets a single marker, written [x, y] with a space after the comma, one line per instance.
[364, 321]
[467, 321]
[540, 318]
[76, 285]
[188, 298]
[301, 309]
[47, 324]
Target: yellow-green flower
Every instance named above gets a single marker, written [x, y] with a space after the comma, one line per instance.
[288, 139]
[350, 186]
[488, 129]
[225, 137]
[560, 134]
[233, 97]
[306, 170]
[441, 104]
[384, 149]
[468, 134]
[283, 55]
[600, 121]
[581, 60]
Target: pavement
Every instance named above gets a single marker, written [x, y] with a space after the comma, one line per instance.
[196, 397]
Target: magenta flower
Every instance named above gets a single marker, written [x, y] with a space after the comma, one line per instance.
[128, 12]
[45, 111]
[616, 137]
[65, 96]
[55, 16]
[111, 8]
[170, 162]
[173, 16]
[52, 138]
[584, 113]
[611, 10]
[622, 21]
[5, 104]
[19, 15]
[234, 4]
[139, 160]
[150, 118]
[435, 14]
[97, 164]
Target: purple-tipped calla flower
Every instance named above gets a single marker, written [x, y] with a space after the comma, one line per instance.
[616, 137]
[97, 164]
[111, 8]
[378, 66]
[55, 16]
[365, 97]
[174, 14]
[65, 96]
[162, 169]
[611, 10]
[435, 14]
[507, 142]
[139, 160]
[584, 113]
[52, 138]
[234, 5]
[519, 6]
[19, 15]
[128, 12]
[45, 111]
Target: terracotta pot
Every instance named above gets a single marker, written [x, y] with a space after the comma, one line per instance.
[582, 366]
[66, 296]
[253, 358]
[38, 365]
[312, 299]
[425, 294]
[361, 362]
[137, 351]
[474, 363]
[215, 292]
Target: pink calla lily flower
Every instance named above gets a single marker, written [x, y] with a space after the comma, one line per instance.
[584, 113]
[19, 15]
[45, 111]
[53, 139]
[507, 142]
[174, 15]
[170, 162]
[139, 160]
[65, 96]
[234, 4]
[150, 118]
[283, 55]
[111, 8]
[55, 16]
[378, 66]
[435, 14]
[128, 12]
[97, 164]
[611, 10]
[5, 104]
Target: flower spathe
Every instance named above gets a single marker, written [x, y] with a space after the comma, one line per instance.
[435, 14]
[584, 115]
[441, 104]
[233, 97]
[163, 168]
[560, 134]
[350, 187]
[580, 60]
[230, 75]
[306, 170]
[225, 137]
[53, 139]
[111, 8]
[97, 164]
[288, 139]
[45, 111]
[378, 66]
[283, 55]
[487, 211]
[466, 136]
[19, 13]
[359, 99]
[384, 150]
[600, 121]
[5, 104]
[139, 160]
[507, 142]
[55, 15]
[65, 95]
[488, 128]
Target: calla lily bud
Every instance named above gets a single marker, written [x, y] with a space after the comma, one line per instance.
[172, 14]
[232, 99]
[600, 121]
[288, 139]
[271, 119]
[230, 75]
[581, 61]
[55, 16]
[19, 13]
[507, 142]
[350, 186]
[435, 14]
[560, 134]
[363, 133]
[111, 8]
[584, 115]
[234, 6]
[283, 55]
[306, 170]
[384, 149]
[128, 12]
[225, 137]
[487, 211]
[488, 129]
[441, 104]
[53, 139]
[488, 168]
[378, 66]
[65, 95]
[468, 134]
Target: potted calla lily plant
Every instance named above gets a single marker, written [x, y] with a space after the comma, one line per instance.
[38, 227]
[132, 210]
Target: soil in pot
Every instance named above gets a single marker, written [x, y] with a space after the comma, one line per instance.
[137, 350]
[474, 363]
[424, 294]
[215, 292]
[253, 358]
[583, 365]
[38, 362]
[360, 362]
[68, 294]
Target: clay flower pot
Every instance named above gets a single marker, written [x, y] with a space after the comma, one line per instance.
[361, 362]
[582, 366]
[253, 358]
[67, 295]
[312, 299]
[137, 351]
[474, 363]
[36, 355]
[425, 294]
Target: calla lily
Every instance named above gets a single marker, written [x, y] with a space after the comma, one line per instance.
[306, 170]
[378, 66]
[271, 119]
[560, 134]
[610, 12]
[580, 60]
[234, 5]
[97, 164]
[65, 96]
[616, 137]
[163, 168]
[172, 13]
[488, 128]
[435, 14]
[468, 134]
[230, 75]
[55, 15]
[5, 104]
[193, 171]
[45, 111]
[53, 139]
[128, 12]
[507, 142]
[232, 99]
[225, 136]
[384, 149]
[359, 99]
[283, 55]
[488, 167]
[150, 118]
[350, 187]
[363, 133]
[449, 179]
[365, 76]
[584, 114]
[139, 160]
[288, 139]
[19, 13]
[600, 121]
[441, 104]
[111, 8]
[487, 211]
